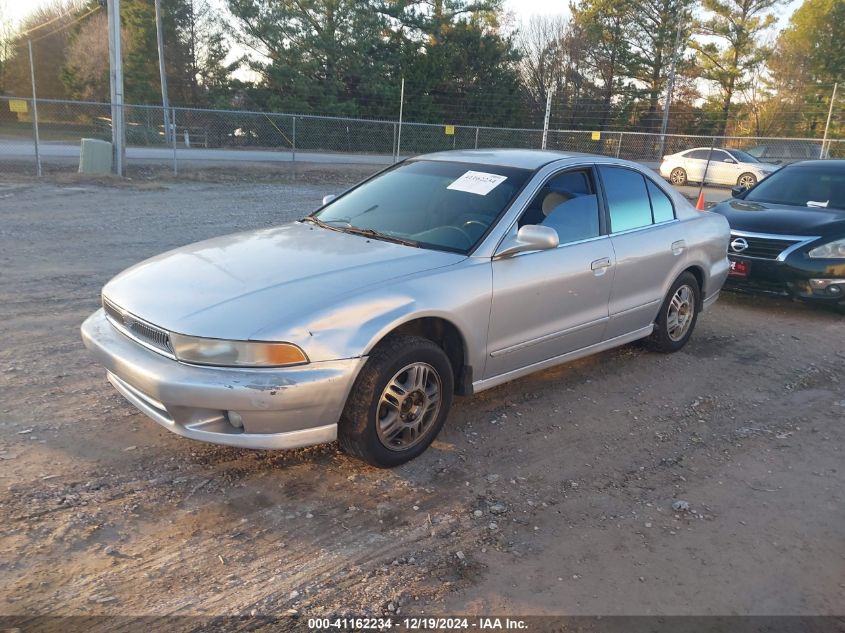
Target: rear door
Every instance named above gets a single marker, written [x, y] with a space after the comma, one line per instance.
[647, 241]
[694, 162]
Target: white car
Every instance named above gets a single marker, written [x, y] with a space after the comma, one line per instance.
[730, 167]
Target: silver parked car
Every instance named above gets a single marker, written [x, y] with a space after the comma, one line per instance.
[446, 274]
[730, 167]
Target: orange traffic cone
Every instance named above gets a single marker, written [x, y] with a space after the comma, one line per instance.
[700, 202]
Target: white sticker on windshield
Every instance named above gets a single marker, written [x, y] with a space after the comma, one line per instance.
[814, 203]
[477, 182]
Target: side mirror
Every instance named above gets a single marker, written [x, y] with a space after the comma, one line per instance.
[730, 160]
[328, 198]
[737, 191]
[531, 237]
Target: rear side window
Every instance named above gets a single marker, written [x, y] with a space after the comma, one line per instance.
[633, 200]
[700, 154]
[661, 207]
[627, 198]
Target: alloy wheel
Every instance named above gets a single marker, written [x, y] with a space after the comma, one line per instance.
[747, 181]
[680, 313]
[408, 406]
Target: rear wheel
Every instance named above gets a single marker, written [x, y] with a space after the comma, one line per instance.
[746, 180]
[398, 403]
[678, 176]
[678, 315]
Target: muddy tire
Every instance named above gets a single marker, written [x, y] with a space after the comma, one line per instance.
[678, 176]
[678, 315]
[398, 403]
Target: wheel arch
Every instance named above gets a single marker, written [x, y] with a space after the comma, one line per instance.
[697, 272]
[444, 333]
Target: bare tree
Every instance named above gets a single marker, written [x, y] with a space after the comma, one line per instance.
[543, 63]
[86, 69]
[50, 28]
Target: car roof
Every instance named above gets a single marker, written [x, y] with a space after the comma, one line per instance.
[832, 164]
[521, 158]
[706, 148]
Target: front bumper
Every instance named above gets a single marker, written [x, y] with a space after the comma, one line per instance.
[791, 278]
[280, 407]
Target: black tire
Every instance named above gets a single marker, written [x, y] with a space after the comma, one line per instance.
[746, 180]
[357, 431]
[678, 176]
[665, 337]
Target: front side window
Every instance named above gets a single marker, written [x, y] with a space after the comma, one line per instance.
[568, 204]
[742, 157]
[627, 198]
[432, 204]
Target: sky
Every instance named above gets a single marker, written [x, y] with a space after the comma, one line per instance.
[520, 8]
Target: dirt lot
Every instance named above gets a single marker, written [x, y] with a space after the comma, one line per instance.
[550, 495]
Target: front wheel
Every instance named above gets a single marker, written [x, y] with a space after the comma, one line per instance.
[746, 180]
[678, 315]
[399, 402]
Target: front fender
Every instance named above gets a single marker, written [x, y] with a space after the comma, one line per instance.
[354, 325]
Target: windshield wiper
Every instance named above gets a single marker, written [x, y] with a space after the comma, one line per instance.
[315, 220]
[380, 236]
[358, 231]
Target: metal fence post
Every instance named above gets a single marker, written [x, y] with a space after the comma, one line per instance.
[172, 126]
[401, 104]
[34, 113]
[546, 119]
[293, 146]
[826, 125]
[393, 144]
[476, 138]
[619, 144]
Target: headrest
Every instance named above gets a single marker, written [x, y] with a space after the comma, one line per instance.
[553, 199]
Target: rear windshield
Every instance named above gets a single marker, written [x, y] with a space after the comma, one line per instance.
[816, 186]
[434, 204]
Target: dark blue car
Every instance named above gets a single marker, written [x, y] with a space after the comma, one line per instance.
[788, 233]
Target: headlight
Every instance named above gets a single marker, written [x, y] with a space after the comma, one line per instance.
[831, 250]
[210, 351]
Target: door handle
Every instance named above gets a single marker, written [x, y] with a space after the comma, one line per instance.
[678, 247]
[600, 266]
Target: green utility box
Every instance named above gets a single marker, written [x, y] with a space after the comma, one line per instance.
[95, 156]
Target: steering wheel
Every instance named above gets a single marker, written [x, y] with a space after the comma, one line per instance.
[471, 222]
[470, 240]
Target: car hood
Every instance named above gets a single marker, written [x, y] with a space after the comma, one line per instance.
[764, 167]
[234, 286]
[764, 217]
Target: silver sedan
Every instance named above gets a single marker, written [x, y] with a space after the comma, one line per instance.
[445, 274]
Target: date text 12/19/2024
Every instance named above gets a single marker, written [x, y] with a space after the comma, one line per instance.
[417, 624]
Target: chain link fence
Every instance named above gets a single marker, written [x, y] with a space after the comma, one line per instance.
[190, 138]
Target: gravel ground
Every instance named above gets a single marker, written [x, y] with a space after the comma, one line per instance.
[705, 482]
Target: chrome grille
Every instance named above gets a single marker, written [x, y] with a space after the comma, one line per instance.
[761, 247]
[138, 329]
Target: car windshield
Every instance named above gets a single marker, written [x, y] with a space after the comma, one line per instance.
[426, 203]
[742, 157]
[803, 186]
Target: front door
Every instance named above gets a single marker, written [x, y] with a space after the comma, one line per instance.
[548, 303]
[724, 169]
